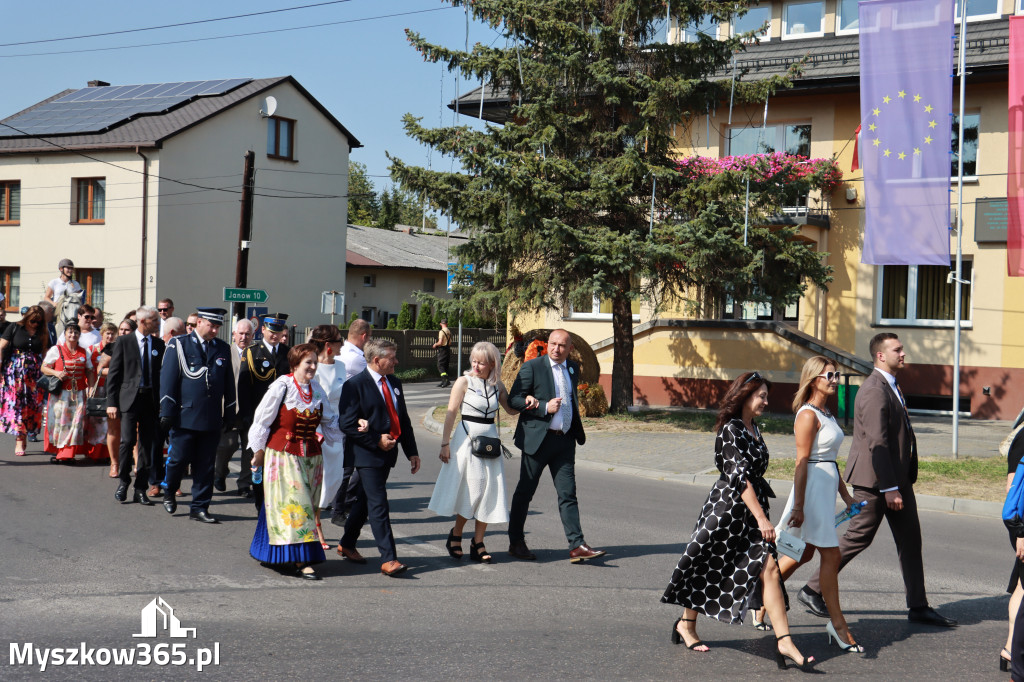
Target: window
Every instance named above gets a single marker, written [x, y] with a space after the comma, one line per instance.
[792, 139]
[979, 10]
[1020, 6]
[847, 17]
[803, 19]
[594, 307]
[761, 311]
[91, 280]
[369, 280]
[10, 201]
[971, 125]
[752, 21]
[922, 295]
[10, 287]
[428, 284]
[90, 200]
[367, 314]
[706, 25]
[281, 138]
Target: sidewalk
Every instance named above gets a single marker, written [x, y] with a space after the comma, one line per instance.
[689, 457]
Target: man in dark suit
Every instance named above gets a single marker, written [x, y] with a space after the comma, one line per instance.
[882, 469]
[133, 390]
[197, 400]
[548, 435]
[230, 440]
[376, 396]
[264, 361]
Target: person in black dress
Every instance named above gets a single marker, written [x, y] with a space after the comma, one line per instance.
[21, 356]
[729, 565]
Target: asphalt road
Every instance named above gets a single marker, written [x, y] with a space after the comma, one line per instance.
[76, 567]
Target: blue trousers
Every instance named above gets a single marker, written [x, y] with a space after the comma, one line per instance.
[371, 502]
[198, 448]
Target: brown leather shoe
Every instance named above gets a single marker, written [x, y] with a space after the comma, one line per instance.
[154, 491]
[351, 554]
[583, 552]
[392, 568]
[520, 551]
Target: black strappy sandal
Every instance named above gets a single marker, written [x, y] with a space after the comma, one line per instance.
[678, 638]
[477, 552]
[781, 659]
[454, 545]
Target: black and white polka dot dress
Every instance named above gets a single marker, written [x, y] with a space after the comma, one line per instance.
[718, 573]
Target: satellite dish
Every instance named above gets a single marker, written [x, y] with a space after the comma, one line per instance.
[269, 106]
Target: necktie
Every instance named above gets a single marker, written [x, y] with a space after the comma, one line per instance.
[145, 362]
[906, 415]
[202, 350]
[396, 428]
[564, 393]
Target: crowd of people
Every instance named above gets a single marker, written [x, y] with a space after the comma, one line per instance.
[319, 427]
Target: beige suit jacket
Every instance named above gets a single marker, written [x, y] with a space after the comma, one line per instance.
[884, 450]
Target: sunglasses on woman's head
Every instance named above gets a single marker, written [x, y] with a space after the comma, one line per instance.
[832, 376]
[754, 376]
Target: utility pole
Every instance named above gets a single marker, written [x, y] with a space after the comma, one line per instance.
[244, 230]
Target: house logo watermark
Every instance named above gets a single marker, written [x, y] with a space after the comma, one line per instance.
[157, 620]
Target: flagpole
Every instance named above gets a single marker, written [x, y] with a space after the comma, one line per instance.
[961, 65]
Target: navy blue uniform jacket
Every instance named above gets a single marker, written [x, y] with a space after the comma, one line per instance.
[203, 402]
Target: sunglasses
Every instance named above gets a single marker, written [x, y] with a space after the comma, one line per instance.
[832, 376]
[88, 317]
[754, 376]
[190, 324]
[163, 310]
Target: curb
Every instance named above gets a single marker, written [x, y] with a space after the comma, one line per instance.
[936, 503]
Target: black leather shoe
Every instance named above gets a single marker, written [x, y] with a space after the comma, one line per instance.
[247, 493]
[813, 601]
[170, 505]
[121, 494]
[201, 516]
[929, 616]
[219, 484]
[520, 551]
[140, 497]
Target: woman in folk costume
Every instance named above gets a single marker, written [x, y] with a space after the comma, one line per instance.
[285, 443]
[64, 436]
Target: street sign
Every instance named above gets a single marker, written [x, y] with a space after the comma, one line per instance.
[453, 268]
[332, 302]
[245, 295]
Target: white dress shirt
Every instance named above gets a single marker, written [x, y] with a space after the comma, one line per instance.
[891, 380]
[352, 357]
[557, 423]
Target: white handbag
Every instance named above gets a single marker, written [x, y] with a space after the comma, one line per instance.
[789, 544]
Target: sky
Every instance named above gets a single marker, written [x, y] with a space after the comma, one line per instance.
[364, 72]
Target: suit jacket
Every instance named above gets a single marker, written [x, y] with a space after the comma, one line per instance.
[361, 399]
[203, 402]
[252, 388]
[884, 450]
[125, 373]
[535, 378]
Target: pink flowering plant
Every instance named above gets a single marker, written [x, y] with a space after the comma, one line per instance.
[790, 175]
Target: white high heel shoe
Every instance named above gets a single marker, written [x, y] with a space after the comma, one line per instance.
[848, 648]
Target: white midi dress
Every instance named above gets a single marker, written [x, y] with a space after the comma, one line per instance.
[818, 528]
[467, 485]
[331, 377]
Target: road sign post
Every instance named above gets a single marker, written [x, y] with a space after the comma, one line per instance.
[234, 295]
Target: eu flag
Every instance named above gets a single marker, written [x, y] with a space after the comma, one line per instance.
[906, 103]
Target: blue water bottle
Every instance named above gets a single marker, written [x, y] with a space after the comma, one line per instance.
[257, 475]
[847, 514]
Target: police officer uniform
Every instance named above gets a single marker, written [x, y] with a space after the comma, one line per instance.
[261, 365]
[197, 400]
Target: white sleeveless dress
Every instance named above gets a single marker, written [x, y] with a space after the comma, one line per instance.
[822, 486]
[331, 377]
[467, 485]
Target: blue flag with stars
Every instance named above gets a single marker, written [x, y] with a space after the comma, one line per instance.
[906, 103]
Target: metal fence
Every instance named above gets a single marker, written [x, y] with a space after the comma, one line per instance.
[414, 346]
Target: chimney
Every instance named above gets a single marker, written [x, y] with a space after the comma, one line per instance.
[99, 84]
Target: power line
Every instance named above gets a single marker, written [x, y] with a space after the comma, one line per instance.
[183, 23]
[224, 37]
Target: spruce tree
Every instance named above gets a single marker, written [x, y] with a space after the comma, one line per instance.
[425, 318]
[557, 198]
[404, 317]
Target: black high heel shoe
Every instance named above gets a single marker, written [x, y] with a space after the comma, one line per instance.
[1004, 663]
[454, 545]
[678, 638]
[781, 659]
[477, 552]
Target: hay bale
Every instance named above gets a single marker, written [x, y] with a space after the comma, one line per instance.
[582, 354]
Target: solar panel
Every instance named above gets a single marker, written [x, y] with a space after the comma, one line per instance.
[96, 109]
